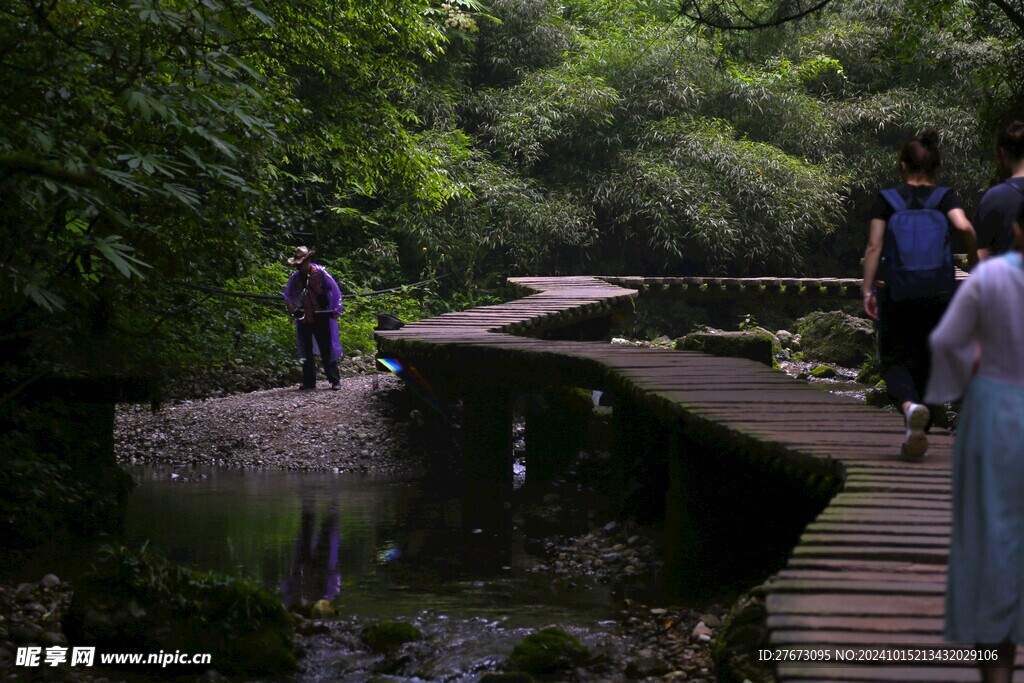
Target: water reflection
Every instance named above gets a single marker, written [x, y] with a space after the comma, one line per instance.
[383, 547]
[311, 535]
[315, 573]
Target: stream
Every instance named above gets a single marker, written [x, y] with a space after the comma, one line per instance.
[379, 548]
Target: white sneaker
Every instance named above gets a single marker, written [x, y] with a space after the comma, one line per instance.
[915, 443]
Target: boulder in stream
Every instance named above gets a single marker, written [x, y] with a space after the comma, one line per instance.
[389, 635]
[548, 650]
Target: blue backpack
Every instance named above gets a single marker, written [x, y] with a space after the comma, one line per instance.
[917, 249]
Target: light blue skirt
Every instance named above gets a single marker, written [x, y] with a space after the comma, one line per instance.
[985, 584]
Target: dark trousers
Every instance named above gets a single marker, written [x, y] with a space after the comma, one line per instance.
[903, 351]
[320, 329]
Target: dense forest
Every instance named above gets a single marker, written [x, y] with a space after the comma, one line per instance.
[158, 156]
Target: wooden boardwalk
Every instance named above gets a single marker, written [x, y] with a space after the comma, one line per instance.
[704, 288]
[868, 573]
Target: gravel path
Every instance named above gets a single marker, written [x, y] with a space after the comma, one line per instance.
[351, 430]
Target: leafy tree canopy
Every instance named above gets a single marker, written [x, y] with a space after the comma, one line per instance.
[144, 143]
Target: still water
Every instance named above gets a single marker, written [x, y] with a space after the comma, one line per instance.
[384, 546]
[380, 548]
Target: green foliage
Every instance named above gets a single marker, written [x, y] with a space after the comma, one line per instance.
[511, 225]
[137, 598]
[695, 195]
[870, 372]
[748, 322]
[146, 144]
[683, 151]
[42, 497]
[546, 110]
[357, 325]
[529, 34]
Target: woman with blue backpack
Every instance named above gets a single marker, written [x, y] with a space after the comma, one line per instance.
[909, 278]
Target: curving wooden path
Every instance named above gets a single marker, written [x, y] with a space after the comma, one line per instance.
[867, 574]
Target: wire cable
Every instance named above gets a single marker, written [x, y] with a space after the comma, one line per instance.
[277, 299]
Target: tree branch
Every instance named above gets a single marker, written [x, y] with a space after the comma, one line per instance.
[1015, 17]
[694, 11]
[23, 162]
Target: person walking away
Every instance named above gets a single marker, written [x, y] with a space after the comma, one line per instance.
[1000, 204]
[315, 301]
[978, 354]
[909, 278]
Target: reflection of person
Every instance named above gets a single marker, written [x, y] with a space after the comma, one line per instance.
[315, 573]
[316, 303]
[903, 326]
[978, 353]
[999, 205]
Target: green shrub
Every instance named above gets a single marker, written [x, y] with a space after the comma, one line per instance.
[42, 496]
[136, 599]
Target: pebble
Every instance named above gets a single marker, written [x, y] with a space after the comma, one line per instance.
[701, 630]
[53, 639]
[24, 633]
[711, 620]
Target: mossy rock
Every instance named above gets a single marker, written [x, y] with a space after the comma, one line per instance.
[321, 609]
[878, 396]
[758, 345]
[824, 372]
[546, 651]
[744, 631]
[835, 337]
[137, 600]
[389, 635]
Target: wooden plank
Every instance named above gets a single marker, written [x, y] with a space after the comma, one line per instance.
[858, 577]
[876, 674]
[873, 539]
[856, 605]
[896, 528]
[877, 588]
[874, 624]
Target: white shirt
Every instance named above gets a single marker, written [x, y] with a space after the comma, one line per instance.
[985, 324]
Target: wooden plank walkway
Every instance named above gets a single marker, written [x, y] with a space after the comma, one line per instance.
[869, 572]
[702, 288]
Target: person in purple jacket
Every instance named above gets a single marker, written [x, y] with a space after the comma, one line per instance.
[315, 301]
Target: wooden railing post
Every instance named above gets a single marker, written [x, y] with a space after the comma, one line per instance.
[686, 569]
[487, 465]
[556, 423]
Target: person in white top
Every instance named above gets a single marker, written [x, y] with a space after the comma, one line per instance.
[978, 355]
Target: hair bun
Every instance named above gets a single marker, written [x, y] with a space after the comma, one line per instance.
[930, 137]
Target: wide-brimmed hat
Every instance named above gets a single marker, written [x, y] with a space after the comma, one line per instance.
[301, 254]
